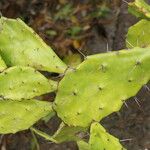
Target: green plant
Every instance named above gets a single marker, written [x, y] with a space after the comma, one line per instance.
[87, 93]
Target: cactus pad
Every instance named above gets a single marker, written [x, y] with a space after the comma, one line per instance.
[101, 140]
[139, 35]
[16, 116]
[23, 83]
[100, 85]
[20, 45]
[140, 9]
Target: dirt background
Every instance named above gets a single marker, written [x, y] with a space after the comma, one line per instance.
[86, 27]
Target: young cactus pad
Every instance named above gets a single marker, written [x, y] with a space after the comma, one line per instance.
[24, 83]
[20, 45]
[101, 84]
[16, 116]
[2, 64]
[140, 9]
[139, 35]
[100, 140]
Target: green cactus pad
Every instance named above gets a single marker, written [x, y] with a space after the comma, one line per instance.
[101, 140]
[20, 45]
[2, 64]
[140, 9]
[139, 35]
[23, 83]
[66, 133]
[100, 85]
[20, 115]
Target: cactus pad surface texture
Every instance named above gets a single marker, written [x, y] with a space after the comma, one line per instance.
[24, 83]
[20, 115]
[20, 45]
[100, 85]
[2, 64]
[139, 35]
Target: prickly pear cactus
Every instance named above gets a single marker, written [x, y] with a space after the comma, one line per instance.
[16, 116]
[140, 9]
[19, 83]
[139, 35]
[20, 45]
[2, 64]
[100, 85]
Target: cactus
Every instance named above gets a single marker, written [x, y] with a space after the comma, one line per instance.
[140, 9]
[100, 140]
[139, 35]
[100, 85]
[2, 64]
[24, 83]
[20, 45]
[94, 89]
[16, 116]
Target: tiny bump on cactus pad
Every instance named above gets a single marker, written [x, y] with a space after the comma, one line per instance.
[24, 83]
[20, 115]
[139, 35]
[20, 45]
[100, 85]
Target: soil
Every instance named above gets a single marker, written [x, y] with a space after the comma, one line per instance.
[132, 123]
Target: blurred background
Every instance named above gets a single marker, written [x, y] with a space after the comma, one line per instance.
[74, 29]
